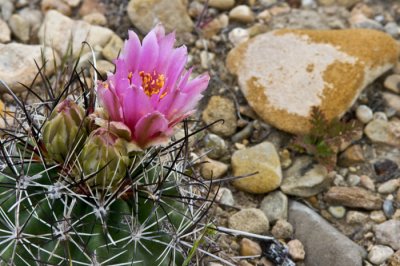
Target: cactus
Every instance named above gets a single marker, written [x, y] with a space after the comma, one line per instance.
[75, 192]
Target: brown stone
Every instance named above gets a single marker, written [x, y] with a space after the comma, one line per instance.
[353, 197]
[352, 155]
[284, 73]
[249, 248]
[221, 108]
[394, 260]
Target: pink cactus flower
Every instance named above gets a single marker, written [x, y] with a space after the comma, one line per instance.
[150, 91]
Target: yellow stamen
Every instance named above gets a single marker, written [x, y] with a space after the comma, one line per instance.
[152, 83]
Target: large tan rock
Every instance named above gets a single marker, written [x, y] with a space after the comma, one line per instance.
[284, 73]
[263, 159]
[17, 64]
[145, 14]
[58, 30]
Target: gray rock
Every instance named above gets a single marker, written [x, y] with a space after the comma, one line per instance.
[145, 14]
[7, 9]
[389, 186]
[305, 183]
[225, 196]
[393, 29]
[249, 220]
[388, 208]
[379, 254]
[324, 244]
[275, 206]
[113, 48]
[388, 233]
[56, 30]
[17, 64]
[34, 18]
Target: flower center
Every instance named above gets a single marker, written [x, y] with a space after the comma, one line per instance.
[152, 83]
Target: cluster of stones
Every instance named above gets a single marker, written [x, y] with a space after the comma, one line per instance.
[282, 73]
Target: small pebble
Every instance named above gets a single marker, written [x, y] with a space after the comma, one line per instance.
[282, 229]
[380, 116]
[249, 248]
[238, 36]
[379, 254]
[337, 211]
[388, 208]
[225, 197]
[364, 113]
[389, 186]
[392, 83]
[392, 29]
[356, 217]
[353, 180]
[377, 216]
[296, 250]
[242, 13]
[367, 182]
[221, 4]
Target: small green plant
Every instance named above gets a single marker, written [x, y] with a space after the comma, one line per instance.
[325, 137]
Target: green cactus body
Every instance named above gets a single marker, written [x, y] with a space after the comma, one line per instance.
[64, 131]
[43, 222]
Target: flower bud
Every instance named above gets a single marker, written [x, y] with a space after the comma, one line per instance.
[64, 130]
[104, 159]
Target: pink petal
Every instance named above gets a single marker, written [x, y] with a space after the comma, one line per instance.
[166, 48]
[135, 105]
[159, 31]
[131, 51]
[177, 64]
[197, 85]
[150, 127]
[149, 52]
[110, 102]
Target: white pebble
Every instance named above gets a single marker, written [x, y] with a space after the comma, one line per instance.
[238, 35]
[364, 113]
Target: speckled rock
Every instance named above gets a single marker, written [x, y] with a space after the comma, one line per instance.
[275, 206]
[354, 197]
[249, 220]
[144, 14]
[323, 244]
[284, 73]
[56, 27]
[17, 64]
[261, 158]
[221, 108]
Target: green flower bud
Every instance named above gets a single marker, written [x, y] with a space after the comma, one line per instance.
[106, 157]
[64, 130]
